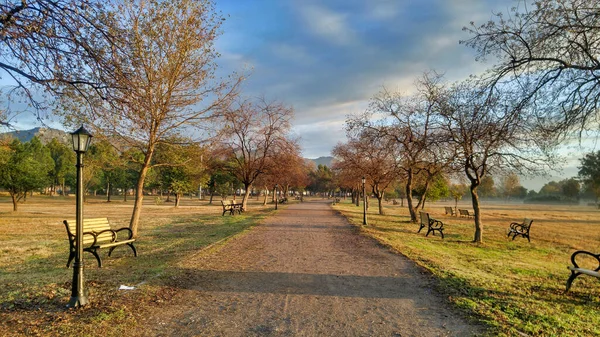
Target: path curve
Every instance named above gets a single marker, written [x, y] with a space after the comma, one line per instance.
[306, 272]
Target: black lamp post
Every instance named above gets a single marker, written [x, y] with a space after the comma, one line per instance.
[364, 202]
[81, 142]
[275, 195]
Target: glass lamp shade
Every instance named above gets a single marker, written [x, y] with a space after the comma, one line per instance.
[364, 180]
[81, 139]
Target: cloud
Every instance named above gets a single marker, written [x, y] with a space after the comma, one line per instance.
[326, 24]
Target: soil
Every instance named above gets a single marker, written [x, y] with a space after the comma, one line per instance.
[305, 272]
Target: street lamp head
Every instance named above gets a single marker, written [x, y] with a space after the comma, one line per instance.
[81, 139]
[364, 180]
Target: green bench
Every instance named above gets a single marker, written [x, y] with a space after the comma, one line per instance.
[97, 234]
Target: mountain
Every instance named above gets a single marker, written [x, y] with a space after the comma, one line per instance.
[327, 161]
[44, 134]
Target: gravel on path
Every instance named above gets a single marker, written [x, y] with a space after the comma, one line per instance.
[306, 272]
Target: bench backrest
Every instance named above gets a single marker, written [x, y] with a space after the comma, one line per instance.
[449, 210]
[463, 211]
[91, 225]
[527, 222]
[424, 218]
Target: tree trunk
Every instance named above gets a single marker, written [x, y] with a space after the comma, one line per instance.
[266, 196]
[177, 199]
[409, 201]
[380, 201]
[478, 225]
[15, 201]
[421, 203]
[139, 193]
[108, 192]
[246, 195]
[212, 193]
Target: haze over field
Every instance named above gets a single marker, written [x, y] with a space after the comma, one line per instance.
[327, 58]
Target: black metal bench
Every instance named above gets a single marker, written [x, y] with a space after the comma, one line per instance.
[97, 234]
[231, 207]
[450, 210]
[576, 270]
[465, 213]
[520, 229]
[283, 200]
[432, 225]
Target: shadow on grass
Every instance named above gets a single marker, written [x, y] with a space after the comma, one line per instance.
[44, 283]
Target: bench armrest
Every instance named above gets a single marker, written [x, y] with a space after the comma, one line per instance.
[113, 233]
[125, 229]
[517, 226]
[435, 223]
[574, 258]
[93, 234]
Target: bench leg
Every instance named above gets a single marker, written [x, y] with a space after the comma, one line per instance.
[71, 257]
[129, 244]
[571, 279]
[95, 253]
[224, 211]
[422, 226]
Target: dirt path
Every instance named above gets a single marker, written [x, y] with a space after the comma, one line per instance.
[305, 272]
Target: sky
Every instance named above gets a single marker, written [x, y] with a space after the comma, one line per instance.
[327, 58]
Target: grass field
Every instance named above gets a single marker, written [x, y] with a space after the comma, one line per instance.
[35, 283]
[515, 286]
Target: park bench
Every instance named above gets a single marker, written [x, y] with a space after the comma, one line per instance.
[283, 200]
[465, 213]
[520, 228]
[231, 206]
[432, 225]
[450, 210]
[97, 234]
[576, 270]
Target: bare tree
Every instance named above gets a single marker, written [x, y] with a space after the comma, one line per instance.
[161, 82]
[372, 156]
[47, 43]
[491, 134]
[254, 133]
[412, 123]
[550, 51]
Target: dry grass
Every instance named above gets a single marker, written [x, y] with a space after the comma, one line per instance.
[515, 286]
[35, 284]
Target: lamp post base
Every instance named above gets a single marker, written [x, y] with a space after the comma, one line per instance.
[78, 301]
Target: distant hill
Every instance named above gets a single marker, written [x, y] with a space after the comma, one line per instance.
[44, 134]
[323, 161]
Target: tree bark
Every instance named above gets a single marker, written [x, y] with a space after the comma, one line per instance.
[246, 195]
[139, 193]
[409, 201]
[478, 238]
[15, 201]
